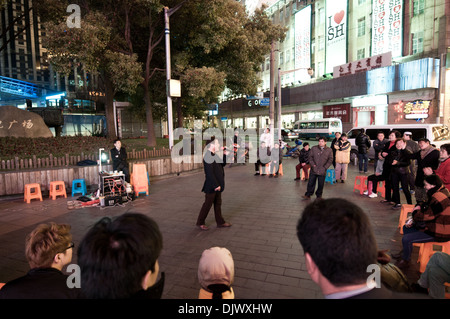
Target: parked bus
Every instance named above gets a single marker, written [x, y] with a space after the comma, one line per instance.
[313, 129]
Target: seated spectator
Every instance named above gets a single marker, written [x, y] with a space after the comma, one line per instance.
[339, 266]
[118, 259]
[48, 248]
[303, 162]
[374, 179]
[216, 274]
[443, 171]
[430, 220]
[435, 276]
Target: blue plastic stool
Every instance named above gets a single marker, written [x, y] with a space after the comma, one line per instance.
[330, 177]
[79, 186]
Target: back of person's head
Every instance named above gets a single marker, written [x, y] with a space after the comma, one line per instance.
[216, 271]
[338, 236]
[116, 254]
[434, 179]
[45, 242]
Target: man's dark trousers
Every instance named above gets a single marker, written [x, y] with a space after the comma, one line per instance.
[210, 199]
[312, 184]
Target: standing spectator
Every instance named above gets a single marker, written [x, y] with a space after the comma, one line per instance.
[303, 162]
[320, 158]
[213, 186]
[400, 172]
[428, 156]
[343, 148]
[412, 147]
[333, 143]
[267, 138]
[118, 259]
[388, 154]
[216, 274]
[363, 143]
[436, 274]
[339, 244]
[48, 249]
[430, 219]
[443, 171]
[119, 159]
[276, 156]
[378, 146]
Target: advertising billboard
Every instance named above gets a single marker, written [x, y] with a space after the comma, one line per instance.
[302, 31]
[387, 27]
[336, 34]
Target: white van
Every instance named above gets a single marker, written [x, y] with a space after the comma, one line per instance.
[438, 134]
[313, 129]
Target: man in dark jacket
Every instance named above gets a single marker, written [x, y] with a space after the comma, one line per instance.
[378, 146]
[213, 186]
[119, 159]
[363, 143]
[320, 158]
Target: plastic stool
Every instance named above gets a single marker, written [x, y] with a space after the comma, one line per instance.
[428, 251]
[361, 186]
[330, 177]
[280, 169]
[266, 169]
[32, 191]
[139, 179]
[79, 186]
[57, 188]
[302, 175]
[406, 209]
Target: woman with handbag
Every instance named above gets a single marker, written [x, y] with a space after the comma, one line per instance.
[430, 220]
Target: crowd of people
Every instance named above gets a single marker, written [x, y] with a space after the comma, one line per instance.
[118, 258]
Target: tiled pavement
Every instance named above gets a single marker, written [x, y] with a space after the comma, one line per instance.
[269, 262]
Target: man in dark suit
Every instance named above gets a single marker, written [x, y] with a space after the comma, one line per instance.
[342, 259]
[214, 185]
[119, 159]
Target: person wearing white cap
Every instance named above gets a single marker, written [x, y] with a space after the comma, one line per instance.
[413, 147]
[216, 274]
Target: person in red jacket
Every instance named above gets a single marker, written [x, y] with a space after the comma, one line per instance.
[443, 171]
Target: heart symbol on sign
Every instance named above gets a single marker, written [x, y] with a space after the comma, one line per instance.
[381, 15]
[381, 1]
[381, 29]
[397, 8]
[396, 24]
[339, 16]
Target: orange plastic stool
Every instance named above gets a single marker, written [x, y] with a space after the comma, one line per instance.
[266, 169]
[361, 186]
[139, 179]
[280, 169]
[428, 251]
[32, 191]
[57, 188]
[302, 175]
[406, 209]
[2, 284]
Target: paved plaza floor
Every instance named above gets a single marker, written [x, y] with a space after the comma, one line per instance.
[269, 261]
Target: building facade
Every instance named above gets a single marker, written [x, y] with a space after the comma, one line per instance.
[373, 62]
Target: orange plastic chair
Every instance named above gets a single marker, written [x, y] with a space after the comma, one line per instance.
[405, 210]
[266, 169]
[57, 188]
[428, 250]
[32, 191]
[361, 186]
[139, 179]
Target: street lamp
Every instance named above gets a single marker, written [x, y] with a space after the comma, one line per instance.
[280, 73]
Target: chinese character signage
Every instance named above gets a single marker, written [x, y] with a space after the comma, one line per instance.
[340, 111]
[366, 64]
[417, 109]
[387, 25]
[303, 38]
[336, 34]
